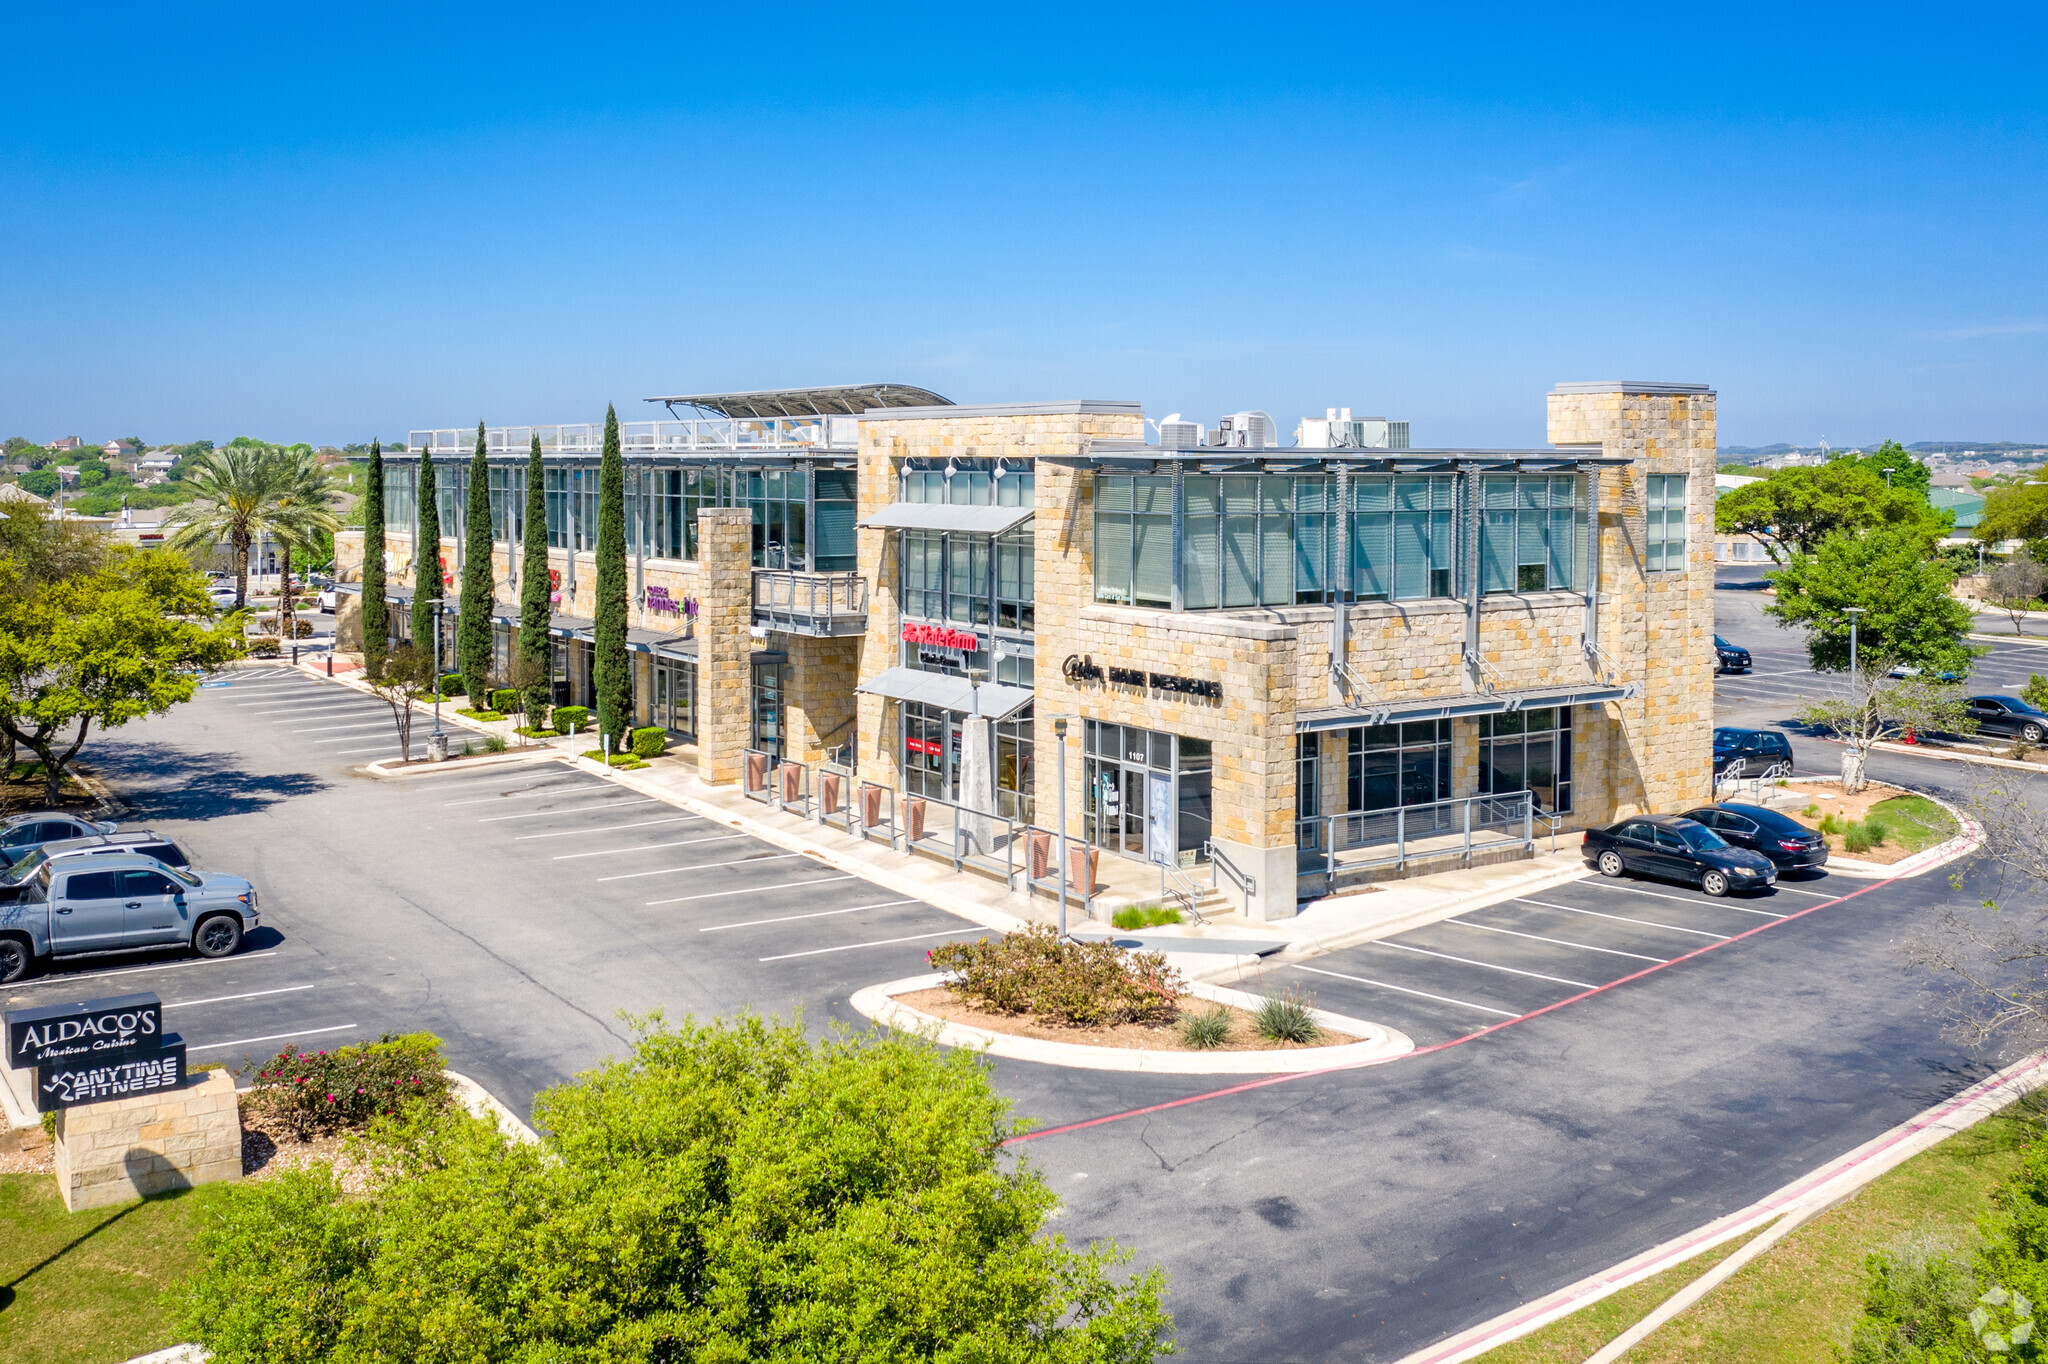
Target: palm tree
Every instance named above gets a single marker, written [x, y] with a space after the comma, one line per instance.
[237, 488]
[299, 511]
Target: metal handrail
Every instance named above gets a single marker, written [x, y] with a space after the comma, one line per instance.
[1728, 780]
[1510, 813]
[1219, 861]
[706, 433]
[1180, 888]
[811, 596]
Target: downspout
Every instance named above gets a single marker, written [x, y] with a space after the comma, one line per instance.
[1473, 574]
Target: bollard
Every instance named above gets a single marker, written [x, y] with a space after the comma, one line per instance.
[295, 655]
[330, 665]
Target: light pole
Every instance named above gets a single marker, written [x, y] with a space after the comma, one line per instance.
[1059, 731]
[1852, 612]
[436, 603]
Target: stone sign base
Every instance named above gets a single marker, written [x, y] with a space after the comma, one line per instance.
[130, 1148]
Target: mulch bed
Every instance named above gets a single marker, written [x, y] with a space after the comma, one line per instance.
[941, 1002]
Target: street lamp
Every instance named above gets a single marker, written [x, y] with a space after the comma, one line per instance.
[1059, 731]
[1852, 612]
[436, 603]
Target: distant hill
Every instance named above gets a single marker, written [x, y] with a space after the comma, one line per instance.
[1746, 453]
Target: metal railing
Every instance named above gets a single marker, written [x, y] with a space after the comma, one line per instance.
[1331, 845]
[1175, 885]
[706, 433]
[1221, 865]
[779, 783]
[1729, 782]
[811, 603]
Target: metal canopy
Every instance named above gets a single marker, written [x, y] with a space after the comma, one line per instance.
[659, 642]
[1454, 707]
[947, 516]
[948, 692]
[838, 400]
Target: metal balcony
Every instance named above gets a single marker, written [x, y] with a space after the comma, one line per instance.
[821, 605]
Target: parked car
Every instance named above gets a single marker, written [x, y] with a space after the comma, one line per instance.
[2008, 715]
[1788, 843]
[79, 905]
[141, 841]
[1673, 848]
[221, 596]
[23, 834]
[327, 601]
[1914, 670]
[1750, 752]
[1730, 658]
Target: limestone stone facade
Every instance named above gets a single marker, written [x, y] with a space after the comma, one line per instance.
[131, 1148]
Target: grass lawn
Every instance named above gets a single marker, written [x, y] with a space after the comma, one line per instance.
[1914, 822]
[81, 1288]
[1798, 1301]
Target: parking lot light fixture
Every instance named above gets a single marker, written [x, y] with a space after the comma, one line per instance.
[1852, 612]
[1059, 730]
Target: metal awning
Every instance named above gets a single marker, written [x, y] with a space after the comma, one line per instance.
[948, 692]
[675, 646]
[947, 516]
[1468, 706]
[572, 626]
[659, 642]
[835, 400]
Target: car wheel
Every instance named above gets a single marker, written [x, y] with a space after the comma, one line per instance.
[1610, 864]
[2032, 734]
[218, 935]
[1714, 883]
[15, 960]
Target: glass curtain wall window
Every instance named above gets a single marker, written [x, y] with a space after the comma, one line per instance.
[679, 494]
[833, 548]
[972, 484]
[1527, 533]
[1308, 776]
[1393, 765]
[1014, 773]
[1666, 516]
[776, 497]
[1528, 750]
[947, 577]
[1403, 538]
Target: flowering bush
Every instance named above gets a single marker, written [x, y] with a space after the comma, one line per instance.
[1075, 983]
[323, 1091]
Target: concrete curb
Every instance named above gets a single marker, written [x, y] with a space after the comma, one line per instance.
[879, 1003]
[482, 1102]
[469, 764]
[1813, 1193]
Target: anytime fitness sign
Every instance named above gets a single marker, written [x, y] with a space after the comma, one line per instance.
[106, 1029]
[66, 1084]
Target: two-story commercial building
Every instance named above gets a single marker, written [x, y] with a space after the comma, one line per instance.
[1270, 657]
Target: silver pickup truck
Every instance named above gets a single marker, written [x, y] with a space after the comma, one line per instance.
[118, 902]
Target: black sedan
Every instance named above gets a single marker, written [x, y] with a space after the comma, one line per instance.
[1730, 658]
[2008, 715]
[1676, 849]
[1788, 843]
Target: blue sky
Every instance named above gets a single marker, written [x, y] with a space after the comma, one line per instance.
[327, 225]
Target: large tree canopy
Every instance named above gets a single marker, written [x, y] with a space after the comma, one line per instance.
[2017, 511]
[1793, 510]
[1909, 615]
[731, 1192]
[1894, 466]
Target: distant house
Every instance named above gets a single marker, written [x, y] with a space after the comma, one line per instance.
[121, 449]
[161, 462]
[1968, 506]
[1729, 482]
[14, 492]
[65, 443]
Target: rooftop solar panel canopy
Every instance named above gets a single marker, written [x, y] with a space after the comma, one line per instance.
[838, 400]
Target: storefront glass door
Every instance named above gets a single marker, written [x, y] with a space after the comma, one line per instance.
[1145, 794]
[767, 726]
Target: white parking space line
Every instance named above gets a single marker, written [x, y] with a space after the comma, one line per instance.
[351, 738]
[353, 724]
[1816, 894]
[138, 970]
[1485, 965]
[648, 847]
[792, 918]
[608, 829]
[1682, 899]
[378, 748]
[254, 994]
[749, 890]
[1560, 942]
[262, 706]
[274, 1037]
[1622, 919]
[700, 866]
[529, 795]
[544, 814]
[879, 942]
[1404, 990]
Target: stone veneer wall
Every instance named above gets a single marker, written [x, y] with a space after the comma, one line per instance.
[131, 1148]
[724, 640]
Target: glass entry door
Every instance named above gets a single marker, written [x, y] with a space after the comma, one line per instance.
[766, 731]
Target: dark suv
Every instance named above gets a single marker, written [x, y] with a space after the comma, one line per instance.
[1750, 752]
[2008, 715]
[1730, 658]
[1788, 843]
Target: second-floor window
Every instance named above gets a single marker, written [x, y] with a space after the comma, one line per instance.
[1665, 512]
[1527, 533]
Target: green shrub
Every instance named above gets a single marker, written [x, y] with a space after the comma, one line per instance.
[1144, 916]
[475, 714]
[1913, 1294]
[1810, 811]
[505, 699]
[494, 743]
[621, 760]
[571, 718]
[1863, 835]
[1073, 983]
[451, 685]
[263, 646]
[650, 742]
[1205, 1029]
[2035, 693]
[1285, 1017]
[323, 1091]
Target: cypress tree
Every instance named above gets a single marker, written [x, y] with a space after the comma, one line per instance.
[536, 610]
[376, 615]
[426, 563]
[612, 666]
[473, 626]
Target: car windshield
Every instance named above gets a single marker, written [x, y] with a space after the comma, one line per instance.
[187, 877]
[1699, 837]
[1727, 738]
[22, 870]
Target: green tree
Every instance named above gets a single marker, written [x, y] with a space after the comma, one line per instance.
[2016, 511]
[611, 665]
[303, 514]
[104, 648]
[41, 482]
[93, 472]
[1909, 615]
[14, 445]
[729, 1192]
[473, 626]
[536, 605]
[236, 490]
[426, 563]
[1896, 467]
[376, 611]
[1793, 510]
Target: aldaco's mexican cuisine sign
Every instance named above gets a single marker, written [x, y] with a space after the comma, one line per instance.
[106, 1030]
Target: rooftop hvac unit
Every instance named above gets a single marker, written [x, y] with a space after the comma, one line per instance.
[1339, 430]
[1175, 434]
[1248, 430]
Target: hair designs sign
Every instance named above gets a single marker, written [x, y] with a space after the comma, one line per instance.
[1079, 668]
